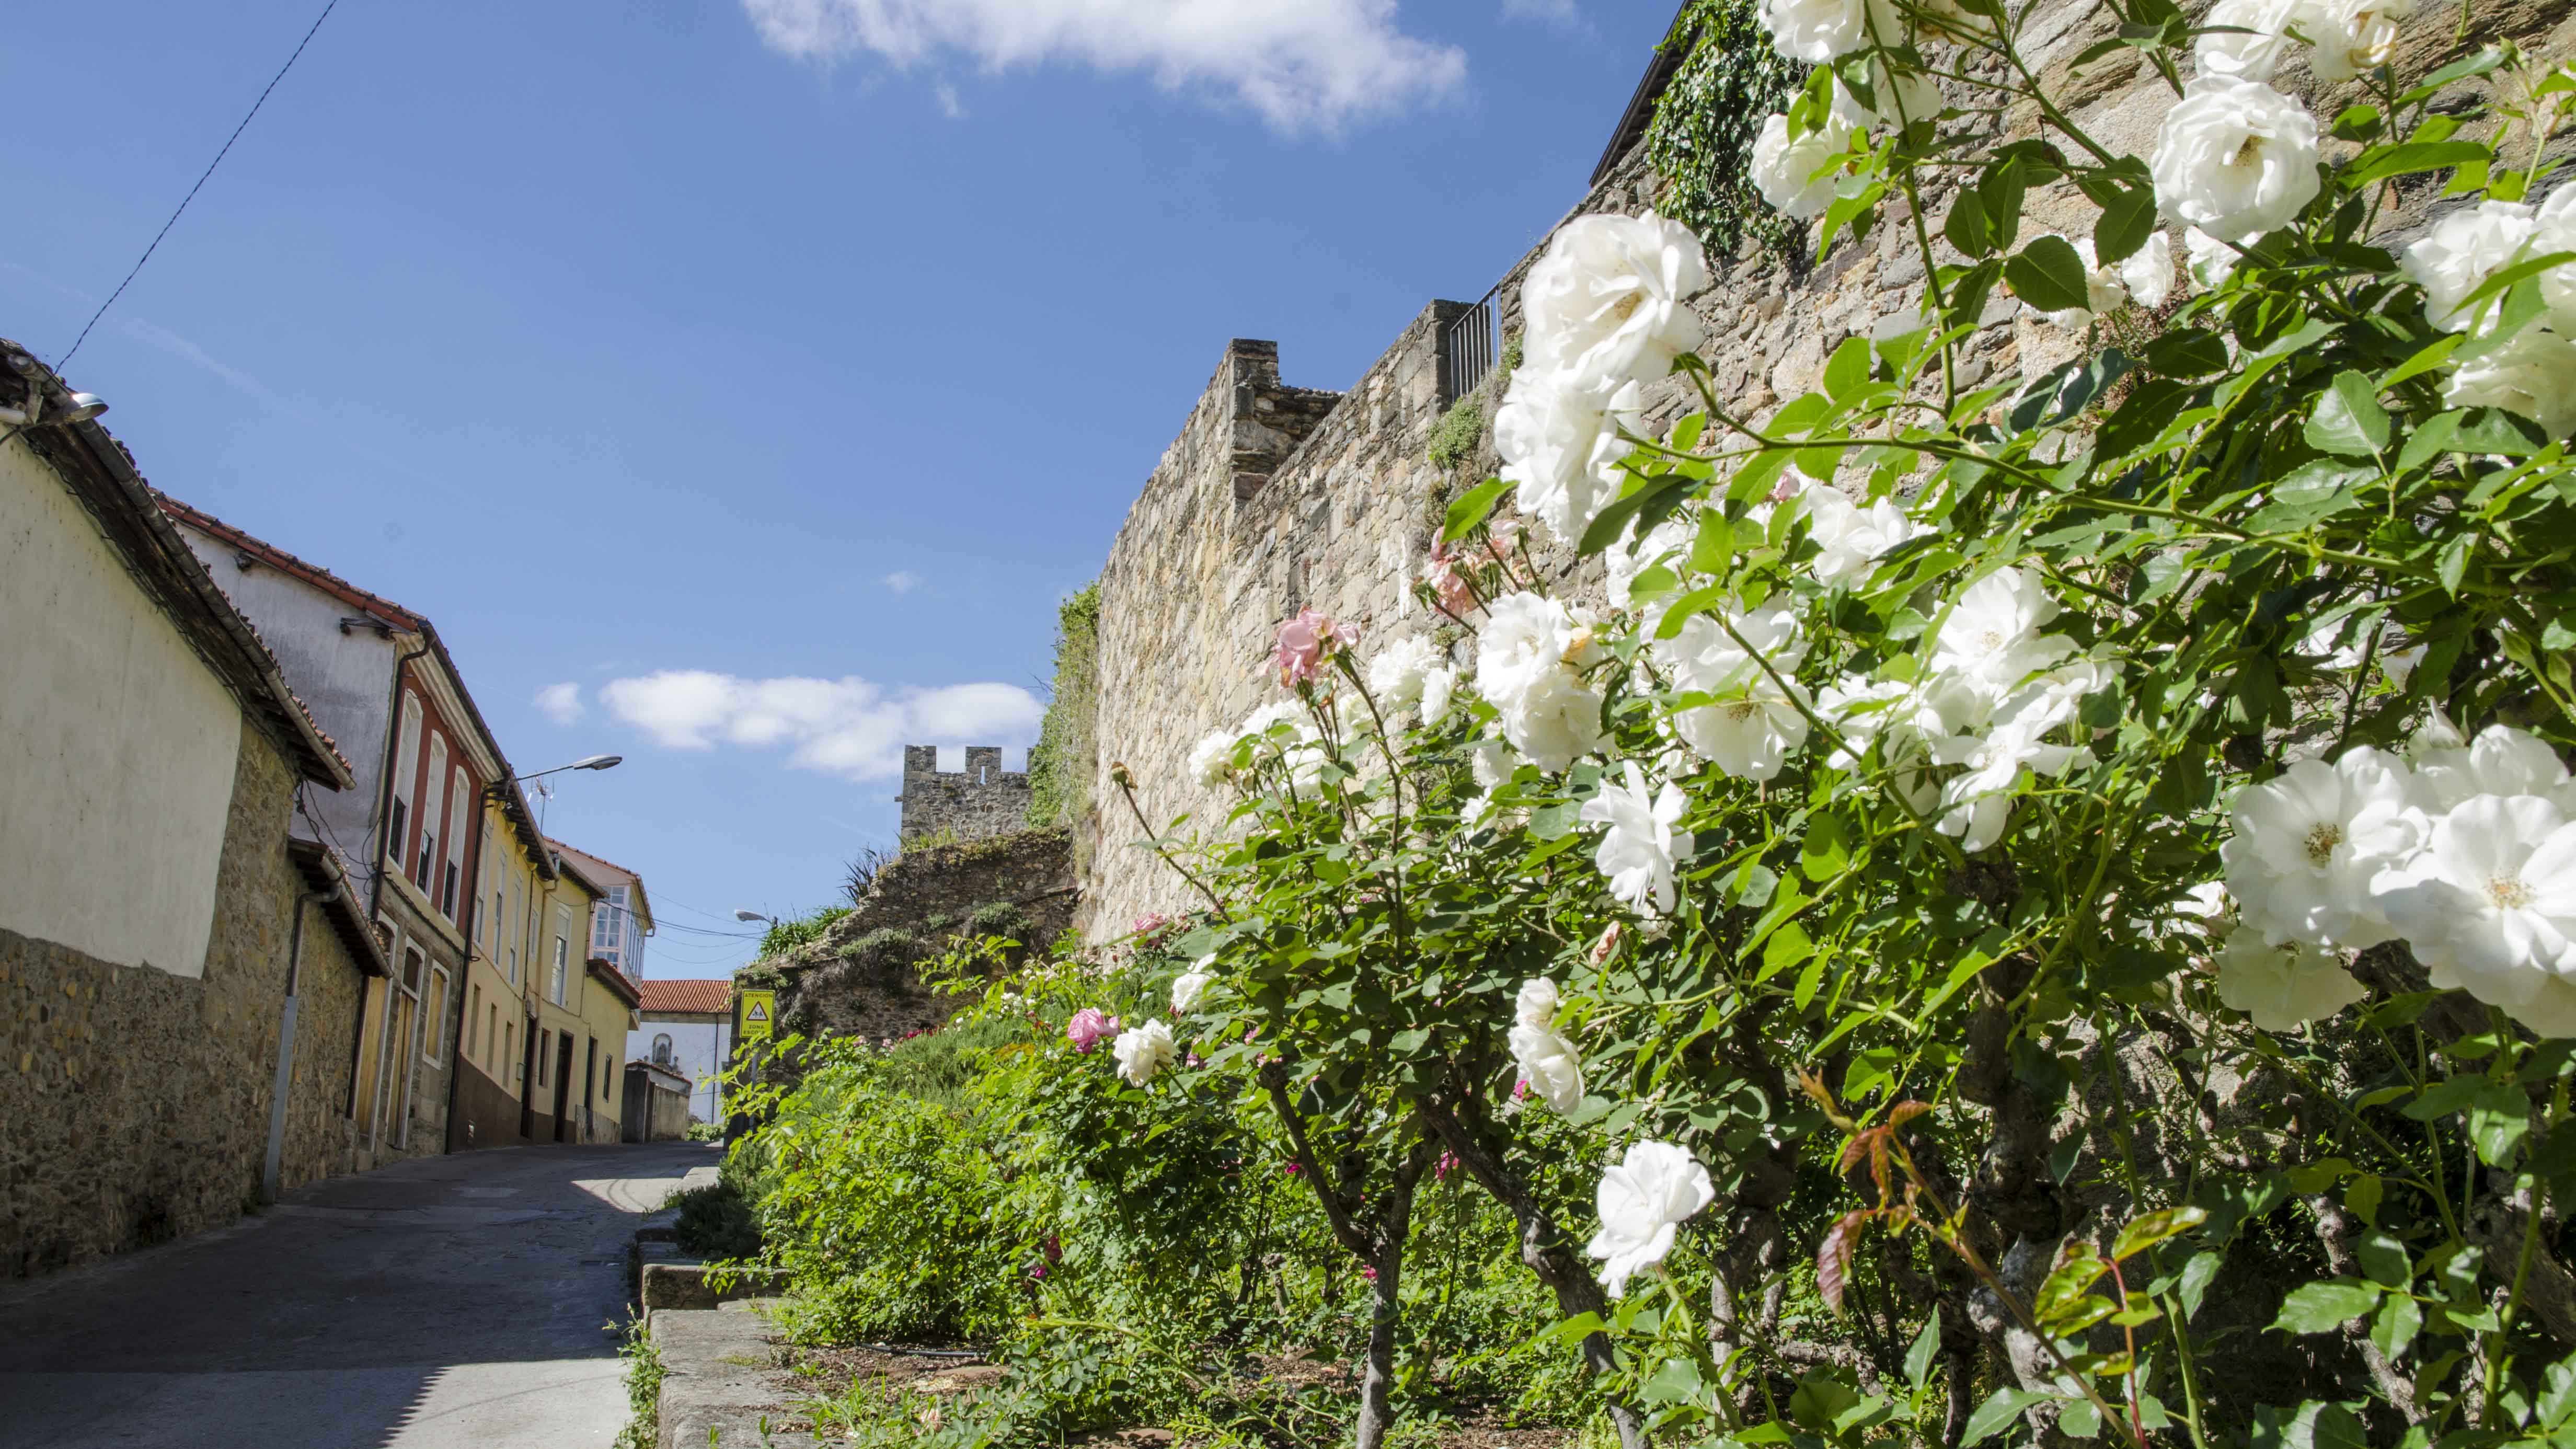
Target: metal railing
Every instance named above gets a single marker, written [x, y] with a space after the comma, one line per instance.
[1467, 347]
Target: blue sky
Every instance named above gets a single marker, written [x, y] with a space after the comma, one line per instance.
[763, 371]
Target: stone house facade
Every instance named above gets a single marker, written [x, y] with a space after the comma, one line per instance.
[687, 1027]
[179, 975]
[1275, 498]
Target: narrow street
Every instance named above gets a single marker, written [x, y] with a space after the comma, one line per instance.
[450, 1301]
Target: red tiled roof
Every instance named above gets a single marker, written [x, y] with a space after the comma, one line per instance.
[712, 997]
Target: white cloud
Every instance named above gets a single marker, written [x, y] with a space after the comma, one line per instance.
[903, 581]
[847, 727]
[1301, 65]
[561, 702]
[1558, 12]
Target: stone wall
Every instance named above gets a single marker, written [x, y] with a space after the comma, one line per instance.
[1246, 520]
[134, 1104]
[977, 803]
[863, 977]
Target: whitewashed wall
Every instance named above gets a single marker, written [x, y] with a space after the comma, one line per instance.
[117, 744]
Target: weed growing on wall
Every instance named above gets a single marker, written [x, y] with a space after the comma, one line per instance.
[1061, 764]
[1701, 140]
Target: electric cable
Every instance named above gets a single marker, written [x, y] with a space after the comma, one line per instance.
[201, 181]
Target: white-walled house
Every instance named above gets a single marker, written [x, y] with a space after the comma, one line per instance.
[687, 1026]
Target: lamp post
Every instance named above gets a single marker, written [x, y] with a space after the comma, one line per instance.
[587, 762]
[754, 916]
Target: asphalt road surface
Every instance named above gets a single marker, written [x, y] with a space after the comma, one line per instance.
[454, 1301]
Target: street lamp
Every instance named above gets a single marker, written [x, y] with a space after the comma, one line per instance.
[754, 916]
[594, 762]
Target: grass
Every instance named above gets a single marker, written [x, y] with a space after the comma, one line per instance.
[643, 1387]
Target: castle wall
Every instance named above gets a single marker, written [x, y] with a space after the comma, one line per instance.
[976, 803]
[1234, 532]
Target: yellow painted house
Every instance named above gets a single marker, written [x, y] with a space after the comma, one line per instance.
[496, 1038]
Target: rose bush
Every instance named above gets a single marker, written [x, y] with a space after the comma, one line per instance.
[2032, 974]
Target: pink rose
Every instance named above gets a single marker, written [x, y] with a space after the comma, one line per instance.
[1447, 583]
[1301, 646]
[1089, 1028]
[1368, 1272]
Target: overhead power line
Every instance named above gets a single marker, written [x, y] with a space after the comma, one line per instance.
[201, 181]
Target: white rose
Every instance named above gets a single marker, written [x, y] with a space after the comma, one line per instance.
[2251, 57]
[1560, 445]
[2556, 232]
[2210, 260]
[1553, 718]
[2532, 373]
[1607, 304]
[1437, 686]
[1212, 758]
[2491, 908]
[1524, 636]
[1668, 543]
[2352, 36]
[1398, 672]
[1492, 762]
[1787, 172]
[2235, 158]
[2462, 250]
[2502, 760]
[1642, 1201]
[1991, 640]
[1849, 538]
[1749, 736]
[1549, 1063]
[1641, 846]
[2310, 842]
[2282, 986]
[1902, 96]
[1706, 659]
[1143, 1051]
[1536, 1003]
[1819, 30]
[1192, 984]
[1977, 803]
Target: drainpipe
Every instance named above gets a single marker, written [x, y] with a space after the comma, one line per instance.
[271, 1168]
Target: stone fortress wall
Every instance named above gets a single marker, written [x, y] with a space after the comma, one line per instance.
[979, 802]
[1276, 498]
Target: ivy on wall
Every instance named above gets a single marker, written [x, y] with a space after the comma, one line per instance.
[1701, 140]
[1060, 765]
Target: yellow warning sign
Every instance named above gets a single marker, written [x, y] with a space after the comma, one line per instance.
[759, 1013]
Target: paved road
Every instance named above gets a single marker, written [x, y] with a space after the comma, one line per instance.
[450, 1303]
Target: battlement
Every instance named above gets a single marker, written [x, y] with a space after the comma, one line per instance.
[977, 802]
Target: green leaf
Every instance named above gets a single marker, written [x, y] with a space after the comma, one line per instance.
[2156, 1227]
[1997, 1414]
[1551, 821]
[1966, 226]
[2452, 564]
[1787, 947]
[1471, 508]
[2048, 275]
[2187, 352]
[2431, 355]
[1848, 368]
[2316, 1307]
[1999, 197]
[2357, 123]
[2195, 1281]
[2408, 157]
[1822, 854]
[2396, 1324]
[2385, 1259]
[1918, 1359]
[2498, 1120]
[1713, 550]
[2127, 221]
[2349, 419]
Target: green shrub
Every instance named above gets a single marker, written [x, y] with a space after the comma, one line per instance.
[884, 944]
[1454, 441]
[643, 1386]
[785, 936]
[1701, 140]
[999, 918]
[716, 1222]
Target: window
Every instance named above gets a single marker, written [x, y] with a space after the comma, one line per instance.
[492, 1032]
[563, 953]
[607, 1075]
[662, 1050]
[545, 1039]
[433, 1029]
[432, 811]
[510, 1052]
[406, 763]
[473, 1019]
[459, 794]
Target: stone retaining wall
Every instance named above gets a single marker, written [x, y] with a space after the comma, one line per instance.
[134, 1104]
[1246, 520]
